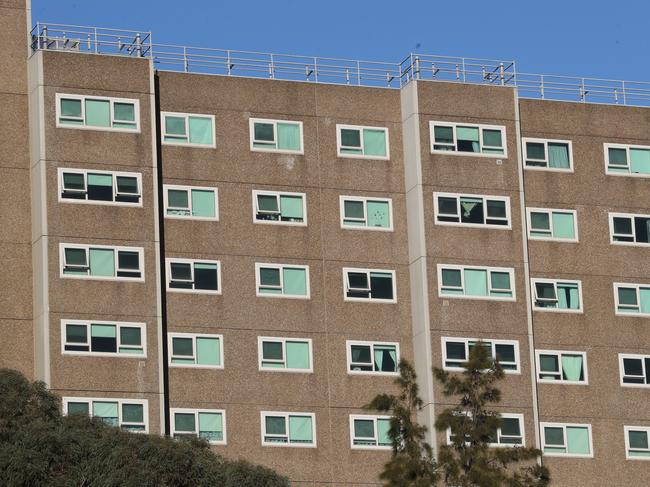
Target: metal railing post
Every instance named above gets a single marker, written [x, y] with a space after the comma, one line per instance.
[583, 94]
[464, 78]
[186, 63]
[457, 71]
[347, 76]
[624, 93]
[271, 68]
[45, 37]
[228, 66]
[316, 69]
[417, 67]
[541, 76]
[502, 74]
[358, 73]
[138, 45]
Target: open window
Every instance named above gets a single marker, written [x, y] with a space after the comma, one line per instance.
[373, 285]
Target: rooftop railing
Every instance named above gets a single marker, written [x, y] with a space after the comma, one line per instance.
[73, 38]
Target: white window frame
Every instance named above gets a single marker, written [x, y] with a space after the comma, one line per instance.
[555, 282]
[517, 416]
[626, 430]
[339, 127]
[113, 174]
[143, 402]
[274, 122]
[194, 336]
[367, 417]
[371, 344]
[549, 212]
[187, 116]
[480, 127]
[621, 369]
[277, 195]
[345, 272]
[82, 98]
[485, 198]
[364, 200]
[283, 341]
[612, 215]
[260, 265]
[637, 287]
[559, 354]
[535, 140]
[626, 147]
[116, 249]
[264, 414]
[461, 268]
[118, 324]
[168, 268]
[492, 343]
[173, 411]
[564, 426]
[167, 187]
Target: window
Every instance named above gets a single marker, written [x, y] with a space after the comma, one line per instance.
[196, 350]
[284, 354]
[282, 281]
[462, 138]
[209, 424]
[370, 432]
[362, 142]
[288, 429]
[627, 160]
[472, 210]
[101, 262]
[476, 282]
[194, 276]
[279, 208]
[373, 285]
[191, 202]
[632, 298]
[97, 113]
[546, 224]
[128, 414]
[276, 136]
[372, 357]
[552, 295]
[547, 154]
[455, 351]
[103, 338]
[100, 187]
[189, 129]
[635, 370]
[561, 366]
[629, 229]
[509, 433]
[636, 442]
[562, 440]
[360, 213]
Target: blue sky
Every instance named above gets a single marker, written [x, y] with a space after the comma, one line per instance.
[571, 37]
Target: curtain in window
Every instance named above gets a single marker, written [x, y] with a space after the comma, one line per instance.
[102, 262]
[297, 355]
[100, 180]
[203, 203]
[374, 142]
[563, 225]
[572, 367]
[558, 156]
[98, 113]
[577, 440]
[300, 429]
[295, 281]
[210, 426]
[291, 207]
[644, 298]
[378, 214]
[200, 130]
[468, 137]
[383, 425]
[207, 351]
[568, 296]
[107, 411]
[475, 282]
[288, 136]
[385, 358]
[640, 161]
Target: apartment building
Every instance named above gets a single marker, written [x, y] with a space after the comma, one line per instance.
[242, 247]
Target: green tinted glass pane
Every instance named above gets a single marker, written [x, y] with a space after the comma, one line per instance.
[100, 179]
[300, 429]
[98, 113]
[210, 422]
[272, 351]
[467, 133]
[444, 135]
[638, 439]
[548, 363]
[288, 136]
[297, 355]
[103, 331]
[102, 262]
[201, 131]
[475, 282]
[540, 221]
[568, 296]
[351, 138]
[553, 436]
[207, 351]
[182, 346]
[177, 198]
[383, 426]
[291, 207]
[510, 427]
[558, 155]
[73, 181]
[451, 277]
[275, 425]
[269, 277]
[263, 132]
[295, 281]
[563, 225]
[103, 409]
[78, 408]
[374, 142]
[364, 428]
[622, 225]
[132, 413]
[492, 138]
[267, 203]
[203, 203]
[378, 214]
[644, 295]
[124, 112]
[75, 256]
[127, 184]
[577, 440]
[572, 367]
[70, 108]
[500, 280]
[535, 150]
[130, 336]
[640, 161]
[175, 125]
[617, 157]
[627, 296]
[76, 333]
[353, 209]
[184, 422]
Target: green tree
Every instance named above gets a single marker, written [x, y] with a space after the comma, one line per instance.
[470, 461]
[40, 447]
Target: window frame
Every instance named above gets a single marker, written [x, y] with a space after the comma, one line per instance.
[171, 335]
[626, 430]
[269, 265]
[113, 174]
[120, 402]
[195, 411]
[509, 270]
[278, 194]
[283, 341]
[637, 287]
[168, 277]
[251, 130]
[626, 147]
[116, 249]
[367, 417]
[520, 419]
[611, 215]
[187, 116]
[537, 140]
[555, 282]
[371, 344]
[288, 444]
[621, 369]
[549, 212]
[456, 152]
[340, 127]
[493, 343]
[564, 426]
[180, 187]
[346, 270]
[118, 324]
[113, 100]
[365, 200]
[485, 198]
[559, 354]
